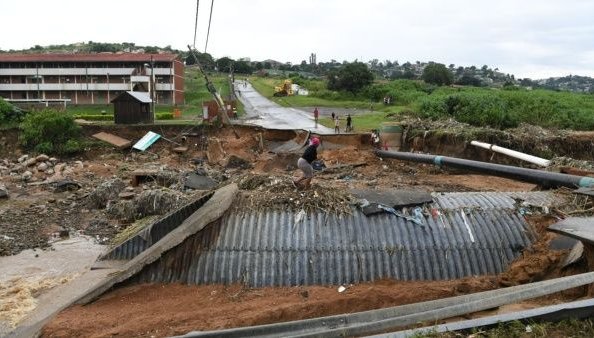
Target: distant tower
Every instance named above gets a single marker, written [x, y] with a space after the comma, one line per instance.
[312, 59]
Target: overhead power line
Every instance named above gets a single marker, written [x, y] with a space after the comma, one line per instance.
[196, 24]
[208, 31]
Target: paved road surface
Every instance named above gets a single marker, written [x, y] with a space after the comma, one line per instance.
[265, 113]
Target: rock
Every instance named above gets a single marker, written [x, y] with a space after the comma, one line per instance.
[64, 233]
[30, 162]
[237, 162]
[42, 158]
[16, 168]
[3, 191]
[199, 182]
[127, 195]
[50, 171]
[66, 185]
[53, 160]
[23, 158]
[68, 171]
[42, 166]
[130, 189]
[79, 165]
[26, 176]
[59, 167]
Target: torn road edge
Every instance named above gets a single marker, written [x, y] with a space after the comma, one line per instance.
[212, 210]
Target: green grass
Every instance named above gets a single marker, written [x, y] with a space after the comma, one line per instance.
[364, 122]
[265, 86]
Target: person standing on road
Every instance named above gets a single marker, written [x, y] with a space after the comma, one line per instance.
[304, 163]
[336, 125]
[349, 125]
[316, 114]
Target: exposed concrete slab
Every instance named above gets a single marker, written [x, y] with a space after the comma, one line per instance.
[391, 198]
[212, 210]
[95, 282]
[118, 142]
[576, 227]
[394, 198]
[199, 182]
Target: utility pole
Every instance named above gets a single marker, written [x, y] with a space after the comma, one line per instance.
[152, 85]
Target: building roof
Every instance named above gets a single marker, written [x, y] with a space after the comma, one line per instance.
[96, 57]
[139, 96]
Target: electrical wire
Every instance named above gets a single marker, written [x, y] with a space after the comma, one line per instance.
[208, 31]
[196, 23]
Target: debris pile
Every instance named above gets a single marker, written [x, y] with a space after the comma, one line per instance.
[149, 202]
[106, 191]
[279, 192]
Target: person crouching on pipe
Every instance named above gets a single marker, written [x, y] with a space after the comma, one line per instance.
[304, 163]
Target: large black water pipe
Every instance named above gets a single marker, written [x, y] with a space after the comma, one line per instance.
[542, 178]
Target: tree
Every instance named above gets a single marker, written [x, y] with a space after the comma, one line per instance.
[351, 77]
[205, 59]
[438, 74]
[224, 64]
[242, 67]
[469, 80]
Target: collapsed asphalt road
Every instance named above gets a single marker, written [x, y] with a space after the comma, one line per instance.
[260, 111]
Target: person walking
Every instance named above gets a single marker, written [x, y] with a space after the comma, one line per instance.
[304, 163]
[349, 123]
[336, 125]
[316, 114]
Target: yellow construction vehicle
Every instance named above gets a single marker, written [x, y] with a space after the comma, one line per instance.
[285, 89]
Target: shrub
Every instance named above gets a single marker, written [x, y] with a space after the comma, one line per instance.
[10, 113]
[164, 116]
[49, 131]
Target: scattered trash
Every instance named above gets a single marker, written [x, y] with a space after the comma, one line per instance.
[399, 214]
[341, 289]
[463, 213]
[299, 217]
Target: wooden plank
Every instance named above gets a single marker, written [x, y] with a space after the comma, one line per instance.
[118, 142]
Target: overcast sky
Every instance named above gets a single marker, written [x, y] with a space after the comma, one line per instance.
[528, 38]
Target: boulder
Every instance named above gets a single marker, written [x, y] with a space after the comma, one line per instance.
[26, 176]
[30, 162]
[23, 158]
[42, 158]
[3, 191]
[42, 166]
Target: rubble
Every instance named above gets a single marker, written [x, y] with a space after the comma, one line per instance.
[3, 191]
[108, 190]
[149, 202]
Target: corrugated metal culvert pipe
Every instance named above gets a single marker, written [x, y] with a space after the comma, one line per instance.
[542, 178]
